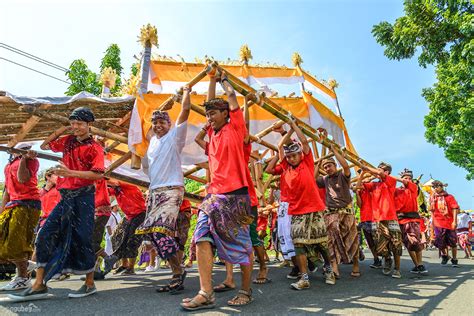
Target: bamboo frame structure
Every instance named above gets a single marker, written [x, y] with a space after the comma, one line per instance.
[29, 122]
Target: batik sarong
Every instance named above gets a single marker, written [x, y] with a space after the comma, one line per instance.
[182, 228]
[388, 238]
[125, 242]
[367, 228]
[223, 221]
[463, 238]
[411, 236]
[284, 232]
[445, 238]
[64, 243]
[342, 233]
[160, 223]
[17, 228]
[309, 235]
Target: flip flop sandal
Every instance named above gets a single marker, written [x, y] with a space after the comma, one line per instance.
[240, 295]
[179, 286]
[208, 304]
[261, 281]
[355, 274]
[223, 288]
[167, 288]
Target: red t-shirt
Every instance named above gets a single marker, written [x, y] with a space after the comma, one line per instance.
[383, 198]
[366, 214]
[186, 205]
[406, 201]
[49, 200]
[22, 191]
[101, 193]
[442, 207]
[322, 195]
[87, 155]
[283, 186]
[262, 222]
[303, 196]
[227, 163]
[251, 187]
[130, 199]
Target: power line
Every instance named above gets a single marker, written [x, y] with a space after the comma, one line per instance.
[45, 74]
[31, 56]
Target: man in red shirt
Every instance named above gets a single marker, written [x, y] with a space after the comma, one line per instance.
[406, 200]
[49, 194]
[125, 242]
[308, 229]
[388, 237]
[101, 217]
[20, 211]
[364, 201]
[444, 210]
[64, 244]
[224, 215]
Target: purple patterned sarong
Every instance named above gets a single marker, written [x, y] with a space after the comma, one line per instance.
[224, 222]
[445, 238]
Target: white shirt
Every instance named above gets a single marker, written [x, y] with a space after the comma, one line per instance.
[463, 220]
[114, 220]
[162, 162]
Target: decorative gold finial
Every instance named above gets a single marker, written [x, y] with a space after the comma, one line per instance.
[148, 35]
[245, 54]
[332, 83]
[296, 59]
[131, 86]
[108, 77]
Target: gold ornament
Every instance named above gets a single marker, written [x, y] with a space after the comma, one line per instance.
[296, 59]
[108, 77]
[332, 83]
[245, 54]
[131, 86]
[148, 35]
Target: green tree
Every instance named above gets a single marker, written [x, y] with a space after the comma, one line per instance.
[112, 59]
[82, 79]
[442, 32]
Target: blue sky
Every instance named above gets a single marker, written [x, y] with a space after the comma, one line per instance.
[380, 99]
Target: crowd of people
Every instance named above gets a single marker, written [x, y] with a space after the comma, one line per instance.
[310, 210]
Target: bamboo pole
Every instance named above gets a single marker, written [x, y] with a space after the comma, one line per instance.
[168, 103]
[192, 170]
[112, 146]
[200, 180]
[65, 120]
[117, 163]
[24, 130]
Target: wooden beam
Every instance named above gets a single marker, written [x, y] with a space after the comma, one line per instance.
[136, 162]
[111, 146]
[117, 163]
[192, 170]
[24, 130]
[200, 180]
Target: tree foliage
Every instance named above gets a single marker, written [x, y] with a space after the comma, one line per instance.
[84, 79]
[112, 59]
[442, 32]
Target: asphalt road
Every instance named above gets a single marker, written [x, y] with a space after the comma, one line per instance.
[444, 291]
